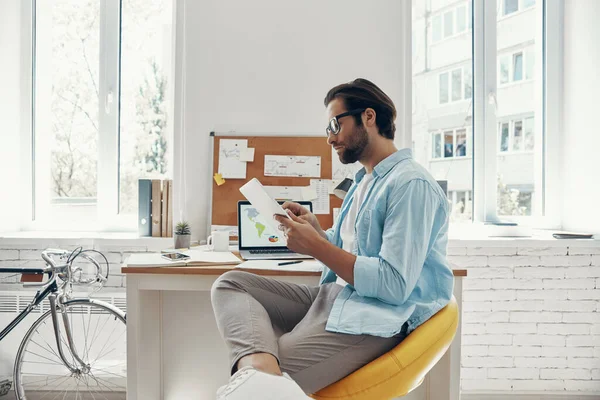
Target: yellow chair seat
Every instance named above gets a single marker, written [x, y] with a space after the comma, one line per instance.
[402, 369]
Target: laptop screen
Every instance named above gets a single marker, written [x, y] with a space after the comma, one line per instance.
[253, 230]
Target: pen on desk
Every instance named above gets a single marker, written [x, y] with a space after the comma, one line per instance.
[289, 262]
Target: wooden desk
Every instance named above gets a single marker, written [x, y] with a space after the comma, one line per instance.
[175, 352]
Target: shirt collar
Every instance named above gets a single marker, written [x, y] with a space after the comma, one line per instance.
[386, 165]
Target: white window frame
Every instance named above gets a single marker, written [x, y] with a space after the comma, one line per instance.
[78, 218]
[547, 114]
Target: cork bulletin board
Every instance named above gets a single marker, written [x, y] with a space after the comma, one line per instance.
[224, 198]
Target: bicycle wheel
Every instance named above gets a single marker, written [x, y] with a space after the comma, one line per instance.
[99, 337]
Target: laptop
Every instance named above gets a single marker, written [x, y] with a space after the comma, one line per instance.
[257, 240]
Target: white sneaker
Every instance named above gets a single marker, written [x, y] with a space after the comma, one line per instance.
[250, 384]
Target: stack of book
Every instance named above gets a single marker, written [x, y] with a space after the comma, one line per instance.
[155, 207]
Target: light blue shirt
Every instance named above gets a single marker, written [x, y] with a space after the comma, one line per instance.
[401, 273]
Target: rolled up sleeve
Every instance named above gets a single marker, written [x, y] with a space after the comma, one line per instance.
[330, 233]
[407, 230]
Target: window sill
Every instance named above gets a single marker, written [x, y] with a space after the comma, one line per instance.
[477, 235]
[461, 235]
[41, 239]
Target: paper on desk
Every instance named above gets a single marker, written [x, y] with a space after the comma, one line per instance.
[230, 165]
[340, 171]
[321, 204]
[299, 166]
[197, 257]
[310, 265]
[264, 204]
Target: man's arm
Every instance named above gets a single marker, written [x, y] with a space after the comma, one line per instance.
[338, 260]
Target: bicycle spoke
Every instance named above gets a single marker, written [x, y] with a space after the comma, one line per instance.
[85, 335]
[45, 358]
[108, 372]
[51, 351]
[105, 322]
[107, 339]
[30, 384]
[100, 383]
[48, 392]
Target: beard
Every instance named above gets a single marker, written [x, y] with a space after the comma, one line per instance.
[356, 146]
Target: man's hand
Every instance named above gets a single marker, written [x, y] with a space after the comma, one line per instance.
[301, 236]
[305, 215]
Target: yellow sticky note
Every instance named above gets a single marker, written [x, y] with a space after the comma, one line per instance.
[219, 179]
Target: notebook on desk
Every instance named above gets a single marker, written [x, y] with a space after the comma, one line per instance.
[197, 258]
[258, 240]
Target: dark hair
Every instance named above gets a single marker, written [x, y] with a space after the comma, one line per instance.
[362, 93]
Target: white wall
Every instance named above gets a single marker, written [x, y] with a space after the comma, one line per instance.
[266, 65]
[9, 109]
[581, 141]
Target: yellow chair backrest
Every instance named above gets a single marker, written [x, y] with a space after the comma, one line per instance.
[402, 369]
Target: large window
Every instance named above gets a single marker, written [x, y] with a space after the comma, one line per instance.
[479, 102]
[101, 101]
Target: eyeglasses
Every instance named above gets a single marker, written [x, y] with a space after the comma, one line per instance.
[334, 125]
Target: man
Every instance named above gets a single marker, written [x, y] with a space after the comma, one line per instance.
[385, 266]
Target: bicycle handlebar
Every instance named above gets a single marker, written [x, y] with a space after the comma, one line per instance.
[54, 269]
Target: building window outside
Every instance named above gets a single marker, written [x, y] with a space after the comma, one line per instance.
[515, 67]
[512, 6]
[455, 85]
[451, 143]
[451, 22]
[516, 135]
[461, 205]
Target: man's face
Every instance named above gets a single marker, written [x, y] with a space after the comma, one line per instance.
[351, 140]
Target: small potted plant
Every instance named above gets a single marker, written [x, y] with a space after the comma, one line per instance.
[182, 235]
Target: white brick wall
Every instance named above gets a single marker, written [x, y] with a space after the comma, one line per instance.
[531, 317]
[531, 313]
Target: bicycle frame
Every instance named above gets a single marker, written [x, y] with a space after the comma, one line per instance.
[50, 290]
[39, 297]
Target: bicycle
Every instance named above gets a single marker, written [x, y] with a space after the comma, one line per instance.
[76, 349]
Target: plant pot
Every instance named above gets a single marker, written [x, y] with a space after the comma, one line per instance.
[182, 241]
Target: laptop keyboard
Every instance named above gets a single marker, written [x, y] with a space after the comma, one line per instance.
[271, 251]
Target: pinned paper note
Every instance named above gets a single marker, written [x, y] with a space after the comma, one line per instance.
[321, 187]
[230, 165]
[247, 155]
[285, 192]
[298, 166]
[309, 194]
[219, 179]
